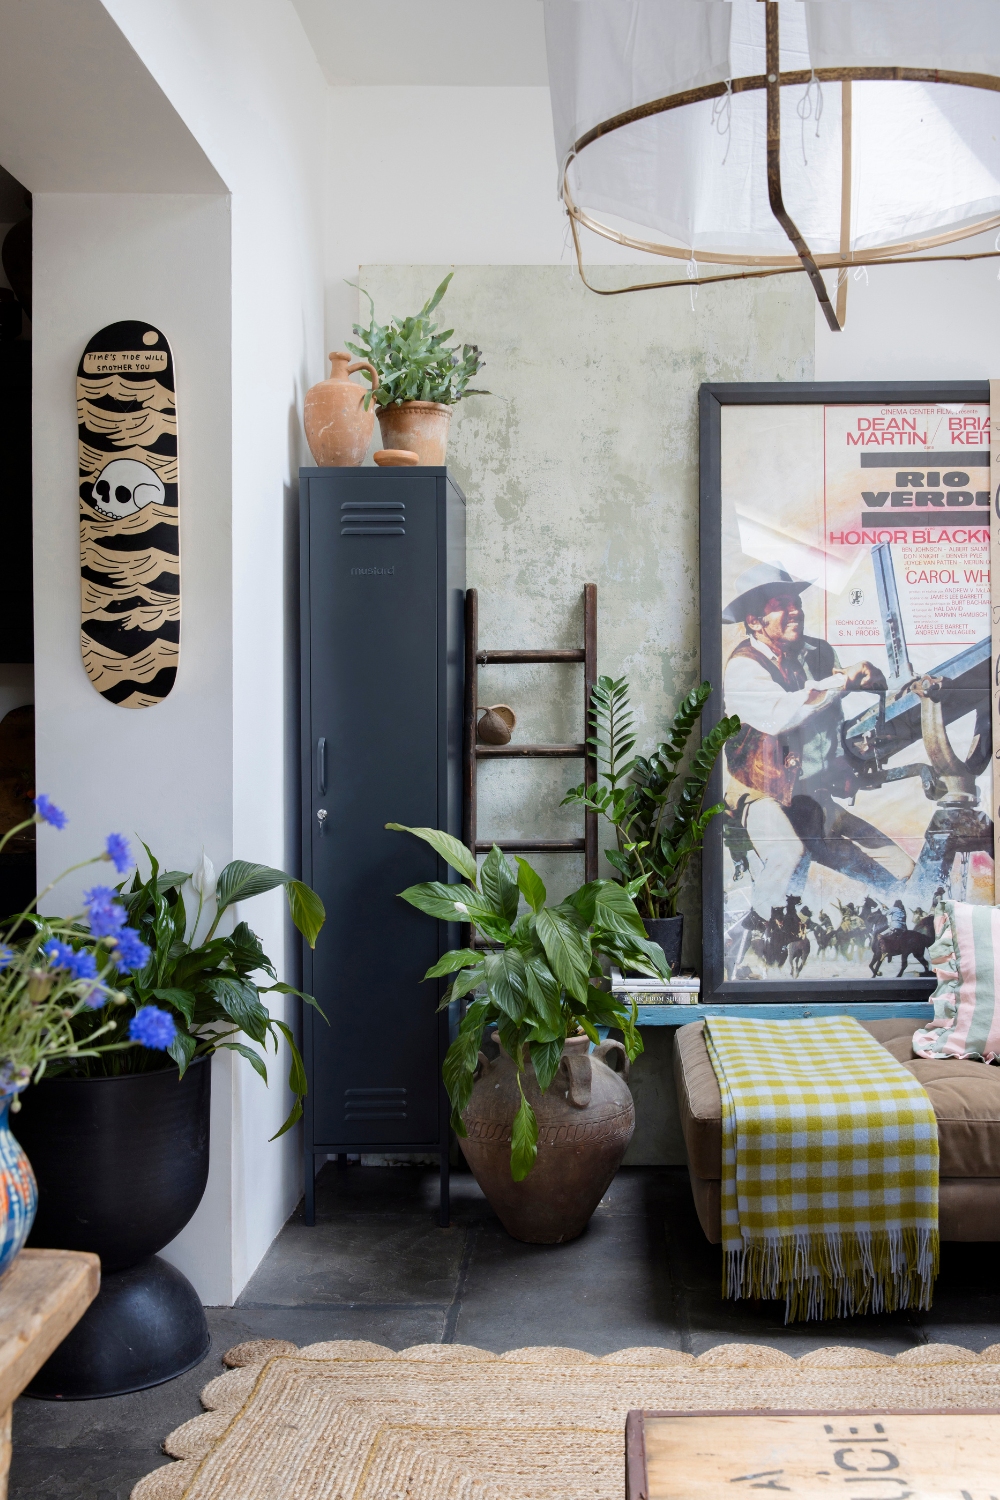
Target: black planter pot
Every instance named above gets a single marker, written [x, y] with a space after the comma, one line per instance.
[668, 932]
[121, 1165]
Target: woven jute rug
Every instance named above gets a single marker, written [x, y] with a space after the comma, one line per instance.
[354, 1421]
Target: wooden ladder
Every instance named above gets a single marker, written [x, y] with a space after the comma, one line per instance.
[474, 752]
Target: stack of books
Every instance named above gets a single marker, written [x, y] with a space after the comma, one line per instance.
[685, 989]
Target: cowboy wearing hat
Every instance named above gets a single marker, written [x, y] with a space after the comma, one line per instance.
[786, 764]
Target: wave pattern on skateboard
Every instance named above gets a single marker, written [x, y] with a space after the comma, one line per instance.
[129, 540]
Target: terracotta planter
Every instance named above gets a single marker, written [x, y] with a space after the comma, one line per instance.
[585, 1121]
[420, 426]
[338, 428]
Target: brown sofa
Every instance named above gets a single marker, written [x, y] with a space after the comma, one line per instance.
[966, 1100]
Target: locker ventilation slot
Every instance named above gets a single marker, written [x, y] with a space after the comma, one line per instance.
[374, 1104]
[373, 518]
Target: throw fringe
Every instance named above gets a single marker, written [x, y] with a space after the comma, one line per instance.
[838, 1274]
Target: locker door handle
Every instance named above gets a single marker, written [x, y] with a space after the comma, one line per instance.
[321, 765]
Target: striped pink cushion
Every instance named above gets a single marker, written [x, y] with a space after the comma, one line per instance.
[966, 1002]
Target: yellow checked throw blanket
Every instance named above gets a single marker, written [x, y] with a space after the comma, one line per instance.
[829, 1168]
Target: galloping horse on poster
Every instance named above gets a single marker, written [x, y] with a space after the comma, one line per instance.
[852, 933]
[904, 944]
[873, 915]
[783, 939]
[822, 930]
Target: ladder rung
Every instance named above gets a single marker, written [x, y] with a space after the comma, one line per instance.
[496, 658]
[550, 846]
[530, 752]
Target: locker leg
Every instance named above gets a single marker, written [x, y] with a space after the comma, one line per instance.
[444, 1212]
[341, 1161]
[310, 1189]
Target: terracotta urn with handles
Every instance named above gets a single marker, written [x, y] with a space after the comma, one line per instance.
[338, 429]
[586, 1118]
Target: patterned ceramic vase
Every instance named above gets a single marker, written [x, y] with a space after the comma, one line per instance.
[18, 1190]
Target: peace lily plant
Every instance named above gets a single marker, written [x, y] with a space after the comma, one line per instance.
[538, 978]
[203, 989]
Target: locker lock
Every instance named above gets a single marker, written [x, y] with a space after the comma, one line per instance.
[321, 817]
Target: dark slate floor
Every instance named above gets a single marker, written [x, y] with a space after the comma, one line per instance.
[377, 1266]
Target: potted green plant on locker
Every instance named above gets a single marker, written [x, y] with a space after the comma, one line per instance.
[545, 1124]
[657, 810]
[420, 379]
[120, 1141]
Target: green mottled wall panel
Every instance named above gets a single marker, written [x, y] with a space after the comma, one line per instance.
[583, 466]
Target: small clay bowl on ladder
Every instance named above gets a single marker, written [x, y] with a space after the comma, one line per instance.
[496, 725]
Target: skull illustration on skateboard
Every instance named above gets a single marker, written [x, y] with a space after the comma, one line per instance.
[129, 540]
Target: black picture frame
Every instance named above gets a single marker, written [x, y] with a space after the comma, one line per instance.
[716, 988]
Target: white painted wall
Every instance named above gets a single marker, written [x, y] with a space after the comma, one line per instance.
[154, 773]
[933, 321]
[445, 176]
[245, 81]
[236, 284]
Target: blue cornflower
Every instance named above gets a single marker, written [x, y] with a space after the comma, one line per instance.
[130, 952]
[106, 916]
[61, 955]
[49, 813]
[6, 954]
[117, 849]
[152, 1027]
[95, 996]
[84, 965]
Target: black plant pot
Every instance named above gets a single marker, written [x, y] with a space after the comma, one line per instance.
[121, 1165]
[668, 932]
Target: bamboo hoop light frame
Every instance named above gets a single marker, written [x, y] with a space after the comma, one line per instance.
[803, 260]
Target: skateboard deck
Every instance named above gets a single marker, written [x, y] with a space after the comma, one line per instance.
[129, 539]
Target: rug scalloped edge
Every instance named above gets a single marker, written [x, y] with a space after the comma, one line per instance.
[197, 1436]
[168, 1482]
[255, 1354]
[228, 1391]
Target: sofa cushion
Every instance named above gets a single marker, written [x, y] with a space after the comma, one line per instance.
[966, 1002]
[965, 1097]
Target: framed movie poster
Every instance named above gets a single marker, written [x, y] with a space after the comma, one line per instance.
[845, 597]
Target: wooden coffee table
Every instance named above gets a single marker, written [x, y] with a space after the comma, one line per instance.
[815, 1455]
[43, 1293]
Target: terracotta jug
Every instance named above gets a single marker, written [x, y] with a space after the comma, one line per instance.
[585, 1121]
[421, 426]
[338, 428]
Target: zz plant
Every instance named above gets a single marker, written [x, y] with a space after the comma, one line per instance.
[659, 816]
[412, 361]
[537, 979]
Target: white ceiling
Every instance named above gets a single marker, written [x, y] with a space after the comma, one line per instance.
[485, 42]
[59, 62]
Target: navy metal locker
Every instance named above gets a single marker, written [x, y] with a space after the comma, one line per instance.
[382, 596]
